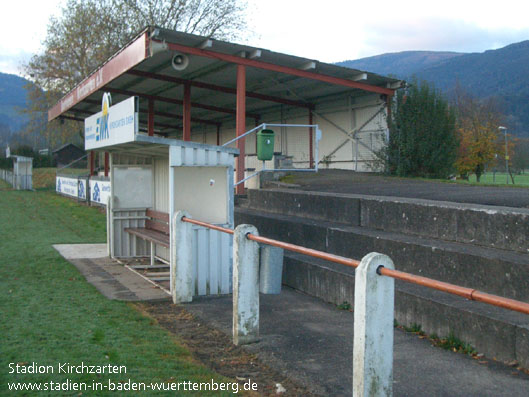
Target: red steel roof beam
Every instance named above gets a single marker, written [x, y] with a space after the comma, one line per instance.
[176, 101]
[125, 59]
[156, 113]
[241, 124]
[150, 118]
[219, 88]
[280, 69]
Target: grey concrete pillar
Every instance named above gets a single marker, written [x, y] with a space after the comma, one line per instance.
[181, 264]
[245, 286]
[110, 240]
[373, 328]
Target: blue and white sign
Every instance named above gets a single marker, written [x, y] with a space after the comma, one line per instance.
[68, 186]
[113, 124]
[81, 189]
[99, 191]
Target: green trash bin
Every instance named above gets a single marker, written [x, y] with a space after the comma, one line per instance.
[265, 145]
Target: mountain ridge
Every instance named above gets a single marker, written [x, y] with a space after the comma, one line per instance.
[501, 73]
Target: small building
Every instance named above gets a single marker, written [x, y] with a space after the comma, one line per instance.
[67, 153]
[22, 172]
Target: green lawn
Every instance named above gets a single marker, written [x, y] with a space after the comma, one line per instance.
[500, 179]
[51, 315]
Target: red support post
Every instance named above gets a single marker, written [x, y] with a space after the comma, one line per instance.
[150, 116]
[106, 163]
[187, 112]
[92, 162]
[311, 144]
[218, 134]
[241, 124]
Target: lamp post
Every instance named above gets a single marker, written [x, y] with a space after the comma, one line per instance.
[501, 128]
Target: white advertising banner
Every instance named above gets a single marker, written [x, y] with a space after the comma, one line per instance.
[113, 125]
[99, 191]
[67, 186]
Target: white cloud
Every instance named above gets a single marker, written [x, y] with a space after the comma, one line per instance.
[330, 30]
[22, 30]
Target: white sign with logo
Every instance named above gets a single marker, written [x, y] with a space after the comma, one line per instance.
[67, 186]
[81, 189]
[99, 191]
[113, 124]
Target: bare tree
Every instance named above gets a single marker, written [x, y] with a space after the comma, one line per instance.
[222, 19]
[88, 32]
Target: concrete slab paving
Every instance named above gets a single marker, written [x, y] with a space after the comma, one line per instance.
[82, 251]
[313, 342]
[110, 278]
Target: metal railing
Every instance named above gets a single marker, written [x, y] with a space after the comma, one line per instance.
[374, 296]
[468, 293]
[264, 169]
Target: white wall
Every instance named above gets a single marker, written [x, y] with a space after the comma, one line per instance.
[347, 112]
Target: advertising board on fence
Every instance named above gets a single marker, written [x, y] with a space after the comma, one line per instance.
[75, 187]
[71, 187]
[99, 191]
[113, 124]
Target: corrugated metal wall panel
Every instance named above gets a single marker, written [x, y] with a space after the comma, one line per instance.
[161, 195]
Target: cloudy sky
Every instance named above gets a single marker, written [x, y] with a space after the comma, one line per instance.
[330, 30]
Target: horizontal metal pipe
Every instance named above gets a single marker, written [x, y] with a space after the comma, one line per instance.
[468, 293]
[306, 251]
[208, 225]
[427, 282]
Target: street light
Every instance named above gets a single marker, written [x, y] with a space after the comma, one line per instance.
[504, 129]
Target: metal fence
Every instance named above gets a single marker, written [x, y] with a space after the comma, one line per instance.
[18, 182]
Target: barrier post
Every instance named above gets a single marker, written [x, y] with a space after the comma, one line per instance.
[181, 264]
[373, 328]
[245, 286]
[109, 226]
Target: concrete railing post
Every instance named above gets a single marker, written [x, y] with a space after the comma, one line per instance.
[109, 226]
[245, 286]
[373, 328]
[181, 276]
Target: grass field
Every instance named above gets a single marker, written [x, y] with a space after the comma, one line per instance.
[51, 315]
[44, 178]
[500, 179]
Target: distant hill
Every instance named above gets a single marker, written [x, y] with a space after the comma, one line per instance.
[12, 97]
[501, 73]
[400, 64]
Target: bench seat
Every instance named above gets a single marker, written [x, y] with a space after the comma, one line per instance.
[150, 235]
[156, 230]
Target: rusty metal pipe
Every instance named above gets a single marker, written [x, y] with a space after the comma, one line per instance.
[208, 225]
[306, 251]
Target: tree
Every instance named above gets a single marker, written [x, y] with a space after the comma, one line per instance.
[422, 140]
[221, 19]
[88, 32]
[477, 129]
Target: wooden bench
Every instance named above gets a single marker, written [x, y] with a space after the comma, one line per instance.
[156, 230]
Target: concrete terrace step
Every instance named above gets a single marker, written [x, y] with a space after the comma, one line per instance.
[496, 271]
[489, 226]
[496, 332]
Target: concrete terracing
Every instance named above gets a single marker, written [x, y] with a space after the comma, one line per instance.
[470, 245]
[348, 182]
